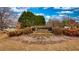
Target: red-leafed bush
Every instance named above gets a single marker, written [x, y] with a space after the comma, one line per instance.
[71, 32]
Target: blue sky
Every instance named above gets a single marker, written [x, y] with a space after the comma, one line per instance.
[50, 12]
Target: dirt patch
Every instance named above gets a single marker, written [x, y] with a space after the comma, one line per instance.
[41, 38]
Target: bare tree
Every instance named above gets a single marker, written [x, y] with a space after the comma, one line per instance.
[54, 23]
[5, 13]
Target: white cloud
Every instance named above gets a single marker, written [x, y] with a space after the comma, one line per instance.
[61, 15]
[39, 14]
[66, 8]
[63, 8]
[76, 10]
[57, 8]
[56, 17]
[45, 7]
[47, 16]
[19, 9]
[68, 12]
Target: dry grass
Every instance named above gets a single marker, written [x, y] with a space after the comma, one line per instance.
[19, 32]
[13, 45]
[18, 43]
[8, 45]
[57, 31]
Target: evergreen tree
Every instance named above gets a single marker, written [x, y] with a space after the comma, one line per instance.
[29, 19]
[39, 20]
[26, 19]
